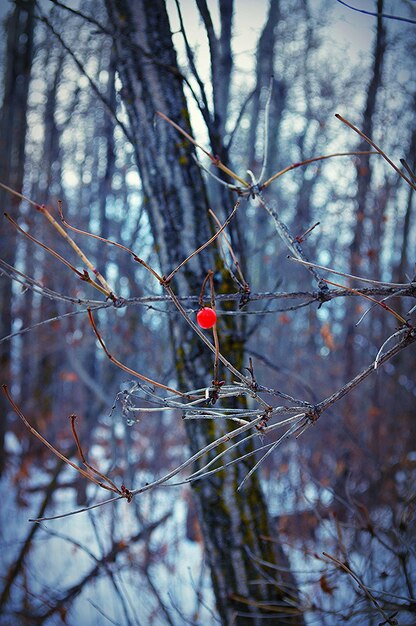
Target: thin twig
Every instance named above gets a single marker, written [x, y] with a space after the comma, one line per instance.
[110, 242]
[396, 334]
[266, 132]
[83, 510]
[73, 418]
[83, 72]
[238, 120]
[290, 241]
[215, 177]
[360, 278]
[51, 447]
[277, 443]
[191, 460]
[207, 243]
[30, 283]
[313, 160]
[215, 160]
[50, 320]
[231, 251]
[369, 595]
[408, 169]
[408, 339]
[58, 256]
[383, 305]
[129, 370]
[78, 251]
[375, 146]
[383, 15]
[42, 209]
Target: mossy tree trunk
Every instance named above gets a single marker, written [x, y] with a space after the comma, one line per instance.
[234, 524]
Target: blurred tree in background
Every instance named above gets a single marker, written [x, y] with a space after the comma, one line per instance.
[323, 531]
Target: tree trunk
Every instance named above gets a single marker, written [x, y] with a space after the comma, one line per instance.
[264, 73]
[233, 523]
[13, 124]
[406, 254]
[364, 175]
[364, 168]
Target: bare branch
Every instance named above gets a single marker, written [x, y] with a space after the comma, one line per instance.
[129, 370]
[383, 15]
[375, 146]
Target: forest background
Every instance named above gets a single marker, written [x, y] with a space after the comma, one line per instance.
[323, 531]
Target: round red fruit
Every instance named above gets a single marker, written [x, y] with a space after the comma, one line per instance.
[206, 317]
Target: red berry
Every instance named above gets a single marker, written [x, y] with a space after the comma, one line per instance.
[206, 317]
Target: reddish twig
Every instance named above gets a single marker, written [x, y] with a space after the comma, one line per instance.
[312, 160]
[215, 160]
[73, 418]
[383, 305]
[127, 369]
[46, 443]
[108, 241]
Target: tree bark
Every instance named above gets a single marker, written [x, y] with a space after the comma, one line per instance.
[233, 523]
[406, 253]
[264, 73]
[364, 168]
[364, 175]
[13, 124]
